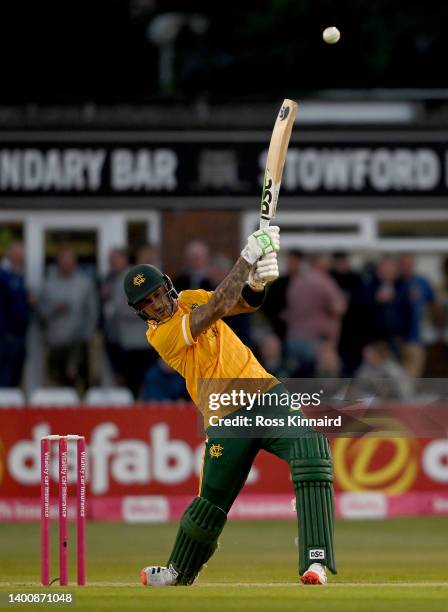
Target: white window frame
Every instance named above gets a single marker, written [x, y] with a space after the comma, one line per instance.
[317, 241]
[111, 227]
[367, 239]
[414, 245]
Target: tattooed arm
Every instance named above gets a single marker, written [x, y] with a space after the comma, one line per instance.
[252, 296]
[228, 293]
[223, 300]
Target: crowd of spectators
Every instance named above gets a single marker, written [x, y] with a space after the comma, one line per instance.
[333, 320]
[321, 318]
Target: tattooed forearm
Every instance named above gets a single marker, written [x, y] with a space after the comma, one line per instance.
[228, 292]
[224, 298]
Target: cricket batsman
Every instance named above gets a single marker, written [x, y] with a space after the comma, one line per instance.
[188, 333]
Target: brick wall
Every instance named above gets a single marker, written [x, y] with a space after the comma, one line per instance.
[220, 230]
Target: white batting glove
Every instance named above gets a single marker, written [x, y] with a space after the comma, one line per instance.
[260, 243]
[263, 272]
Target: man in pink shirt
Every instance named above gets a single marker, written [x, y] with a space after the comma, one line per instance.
[315, 306]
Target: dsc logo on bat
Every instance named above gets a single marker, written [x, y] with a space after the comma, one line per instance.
[316, 553]
[284, 112]
[267, 197]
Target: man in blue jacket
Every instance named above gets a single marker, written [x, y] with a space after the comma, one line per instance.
[14, 316]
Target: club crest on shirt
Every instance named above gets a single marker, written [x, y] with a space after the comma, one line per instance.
[216, 450]
[194, 305]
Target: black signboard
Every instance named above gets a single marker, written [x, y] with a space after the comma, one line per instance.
[216, 164]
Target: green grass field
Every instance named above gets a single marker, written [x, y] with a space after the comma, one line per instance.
[395, 565]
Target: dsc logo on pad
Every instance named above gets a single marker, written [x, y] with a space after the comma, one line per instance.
[316, 553]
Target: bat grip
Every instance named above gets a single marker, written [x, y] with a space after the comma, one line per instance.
[264, 223]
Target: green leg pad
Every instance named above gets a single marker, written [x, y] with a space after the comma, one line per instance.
[312, 476]
[197, 539]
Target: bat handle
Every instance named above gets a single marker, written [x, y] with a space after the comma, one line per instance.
[264, 223]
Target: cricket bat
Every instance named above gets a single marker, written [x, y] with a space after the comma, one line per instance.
[278, 148]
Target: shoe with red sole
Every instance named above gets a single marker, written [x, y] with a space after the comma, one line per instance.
[315, 574]
[158, 576]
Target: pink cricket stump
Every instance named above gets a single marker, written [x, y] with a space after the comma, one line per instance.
[81, 509]
[63, 517]
[45, 460]
[45, 511]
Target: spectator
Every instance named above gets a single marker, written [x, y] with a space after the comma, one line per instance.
[314, 308]
[196, 273]
[129, 351]
[350, 342]
[15, 313]
[275, 302]
[69, 311]
[162, 383]
[148, 254]
[444, 269]
[444, 297]
[381, 376]
[341, 270]
[118, 263]
[271, 356]
[386, 310]
[416, 290]
[220, 266]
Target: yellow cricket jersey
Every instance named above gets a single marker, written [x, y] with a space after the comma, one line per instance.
[217, 353]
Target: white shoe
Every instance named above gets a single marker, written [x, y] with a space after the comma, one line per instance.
[315, 574]
[157, 576]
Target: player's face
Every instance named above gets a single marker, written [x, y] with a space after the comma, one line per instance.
[158, 305]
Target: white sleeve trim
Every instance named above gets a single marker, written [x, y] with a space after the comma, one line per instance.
[184, 330]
